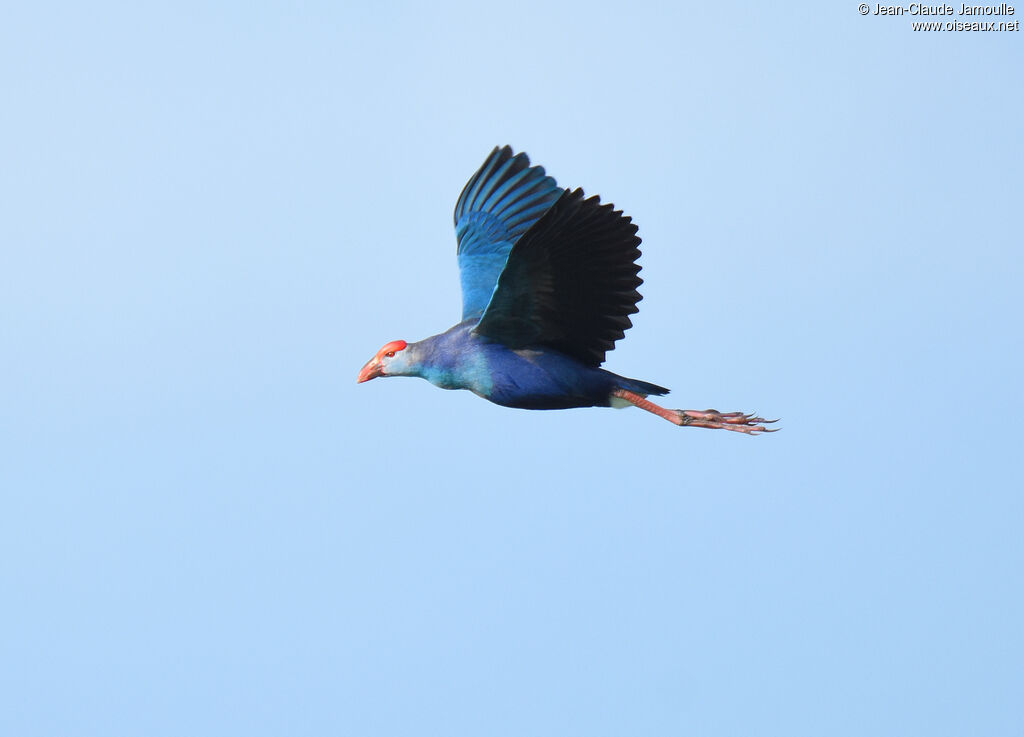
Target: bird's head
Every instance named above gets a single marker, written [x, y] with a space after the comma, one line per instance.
[389, 361]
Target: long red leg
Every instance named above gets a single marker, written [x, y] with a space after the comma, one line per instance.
[709, 418]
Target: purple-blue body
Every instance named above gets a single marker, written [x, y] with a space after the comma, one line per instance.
[533, 377]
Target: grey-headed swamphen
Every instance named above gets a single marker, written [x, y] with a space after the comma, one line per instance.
[549, 280]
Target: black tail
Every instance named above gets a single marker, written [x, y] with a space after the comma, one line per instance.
[642, 387]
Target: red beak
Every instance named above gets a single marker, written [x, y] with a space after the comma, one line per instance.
[370, 371]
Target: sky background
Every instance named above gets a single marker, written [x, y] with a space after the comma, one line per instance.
[211, 217]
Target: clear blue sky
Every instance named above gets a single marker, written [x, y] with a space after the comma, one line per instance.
[210, 218]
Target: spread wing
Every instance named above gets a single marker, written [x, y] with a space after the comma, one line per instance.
[498, 204]
[569, 282]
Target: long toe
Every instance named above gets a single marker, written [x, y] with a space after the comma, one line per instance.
[749, 424]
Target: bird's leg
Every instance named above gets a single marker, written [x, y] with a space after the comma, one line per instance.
[735, 421]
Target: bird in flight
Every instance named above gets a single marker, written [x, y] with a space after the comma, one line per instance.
[549, 279]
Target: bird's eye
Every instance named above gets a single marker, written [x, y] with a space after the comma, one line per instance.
[390, 354]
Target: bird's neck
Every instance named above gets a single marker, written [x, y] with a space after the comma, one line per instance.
[447, 360]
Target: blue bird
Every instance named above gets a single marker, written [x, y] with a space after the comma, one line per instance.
[549, 279]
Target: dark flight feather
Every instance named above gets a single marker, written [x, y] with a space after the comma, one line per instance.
[570, 282]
